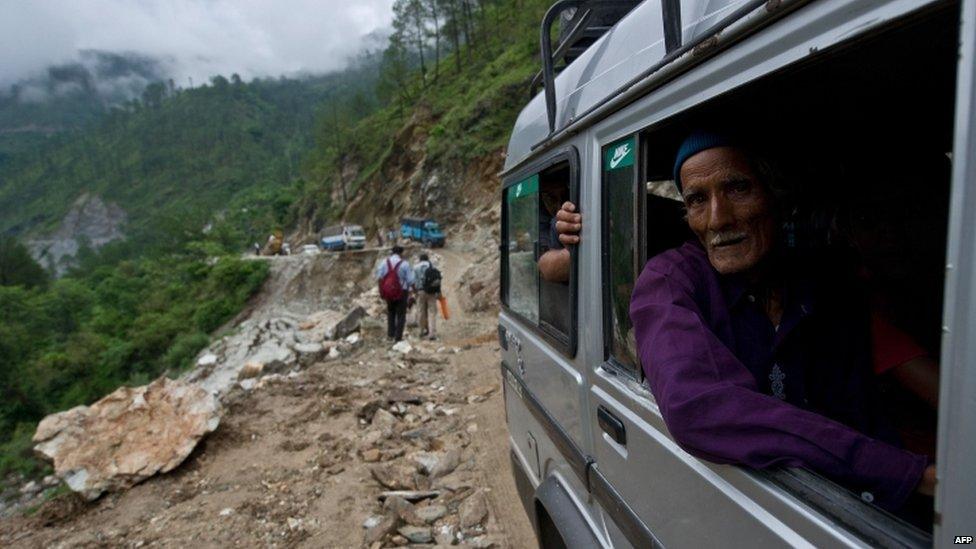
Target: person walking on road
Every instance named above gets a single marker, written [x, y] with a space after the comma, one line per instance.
[428, 286]
[395, 278]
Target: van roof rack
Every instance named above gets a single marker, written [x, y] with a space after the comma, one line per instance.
[590, 20]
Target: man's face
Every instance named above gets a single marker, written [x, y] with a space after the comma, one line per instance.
[729, 209]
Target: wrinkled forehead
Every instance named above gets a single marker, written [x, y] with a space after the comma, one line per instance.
[717, 165]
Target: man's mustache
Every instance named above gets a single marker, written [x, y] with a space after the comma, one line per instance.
[726, 237]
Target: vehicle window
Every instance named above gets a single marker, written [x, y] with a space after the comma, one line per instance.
[539, 268]
[620, 178]
[522, 203]
[554, 298]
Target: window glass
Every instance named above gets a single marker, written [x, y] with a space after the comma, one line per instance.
[554, 299]
[522, 200]
[619, 176]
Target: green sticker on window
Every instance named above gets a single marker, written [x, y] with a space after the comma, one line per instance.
[620, 155]
[526, 187]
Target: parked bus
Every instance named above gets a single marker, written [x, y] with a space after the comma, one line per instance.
[343, 237]
[867, 109]
[425, 231]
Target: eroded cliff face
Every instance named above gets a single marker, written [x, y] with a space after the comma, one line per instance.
[409, 183]
[90, 220]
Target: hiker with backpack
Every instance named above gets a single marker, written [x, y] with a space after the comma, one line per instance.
[428, 286]
[395, 279]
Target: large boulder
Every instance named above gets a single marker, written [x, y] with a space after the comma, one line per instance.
[128, 436]
[330, 325]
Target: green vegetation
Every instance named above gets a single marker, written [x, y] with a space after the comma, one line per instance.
[202, 173]
[17, 268]
[108, 325]
[188, 151]
[467, 97]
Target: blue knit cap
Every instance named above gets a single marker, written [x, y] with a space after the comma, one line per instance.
[696, 142]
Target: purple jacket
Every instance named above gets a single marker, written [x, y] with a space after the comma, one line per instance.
[732, 389]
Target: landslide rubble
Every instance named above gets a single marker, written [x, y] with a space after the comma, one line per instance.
[276, 345]
[329, 437]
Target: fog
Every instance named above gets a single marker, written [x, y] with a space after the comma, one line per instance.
[187, 39]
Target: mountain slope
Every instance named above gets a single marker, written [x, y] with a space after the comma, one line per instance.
[185, 151]
[436, 151]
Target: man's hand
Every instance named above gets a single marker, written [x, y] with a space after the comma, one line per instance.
[568, 224]
[926, 486]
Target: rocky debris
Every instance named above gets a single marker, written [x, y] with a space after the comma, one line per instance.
[430, 513]
[473, 510]
[128, 436]
[425, 461]
[331, 325]
[402, 347]
[380, 529]
[445, 534]
[247, 384]
[417, 534]
[403, 397]
[410, 495]
[371, 302]
[404, 510]
[310, 353]
[251, 369]
[30, 488]
[446, 464]
[478, 286]
[384, 421]
[394, 477]
[276, 345]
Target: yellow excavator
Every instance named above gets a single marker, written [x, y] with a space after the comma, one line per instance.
[273, 245]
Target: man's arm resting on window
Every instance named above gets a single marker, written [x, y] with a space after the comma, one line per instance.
[714, 410]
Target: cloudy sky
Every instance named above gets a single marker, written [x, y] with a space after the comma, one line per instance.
[195, 38]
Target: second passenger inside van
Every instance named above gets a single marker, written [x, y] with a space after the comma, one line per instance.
[554, 258]
[554, 234]
[760, 358]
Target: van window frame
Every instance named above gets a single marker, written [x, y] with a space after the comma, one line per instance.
[610, 363]
[566, 344]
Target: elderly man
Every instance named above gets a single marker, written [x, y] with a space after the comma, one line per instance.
[755, 359]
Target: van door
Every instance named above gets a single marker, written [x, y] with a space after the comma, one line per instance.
[546, 408]
[655, 492]
[956, 489]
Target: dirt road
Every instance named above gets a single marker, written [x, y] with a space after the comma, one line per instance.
[302, 461]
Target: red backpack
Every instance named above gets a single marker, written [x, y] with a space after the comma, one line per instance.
[390, 288]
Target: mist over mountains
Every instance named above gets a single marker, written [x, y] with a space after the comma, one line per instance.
[112, 77]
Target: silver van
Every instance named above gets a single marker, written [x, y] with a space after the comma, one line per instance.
[868, 108]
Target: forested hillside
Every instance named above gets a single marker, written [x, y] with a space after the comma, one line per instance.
[202, 173]
[186, 152]
[436, 144]
[224, 157]
[70, 97]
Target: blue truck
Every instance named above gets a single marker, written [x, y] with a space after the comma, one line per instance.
[423, 230]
